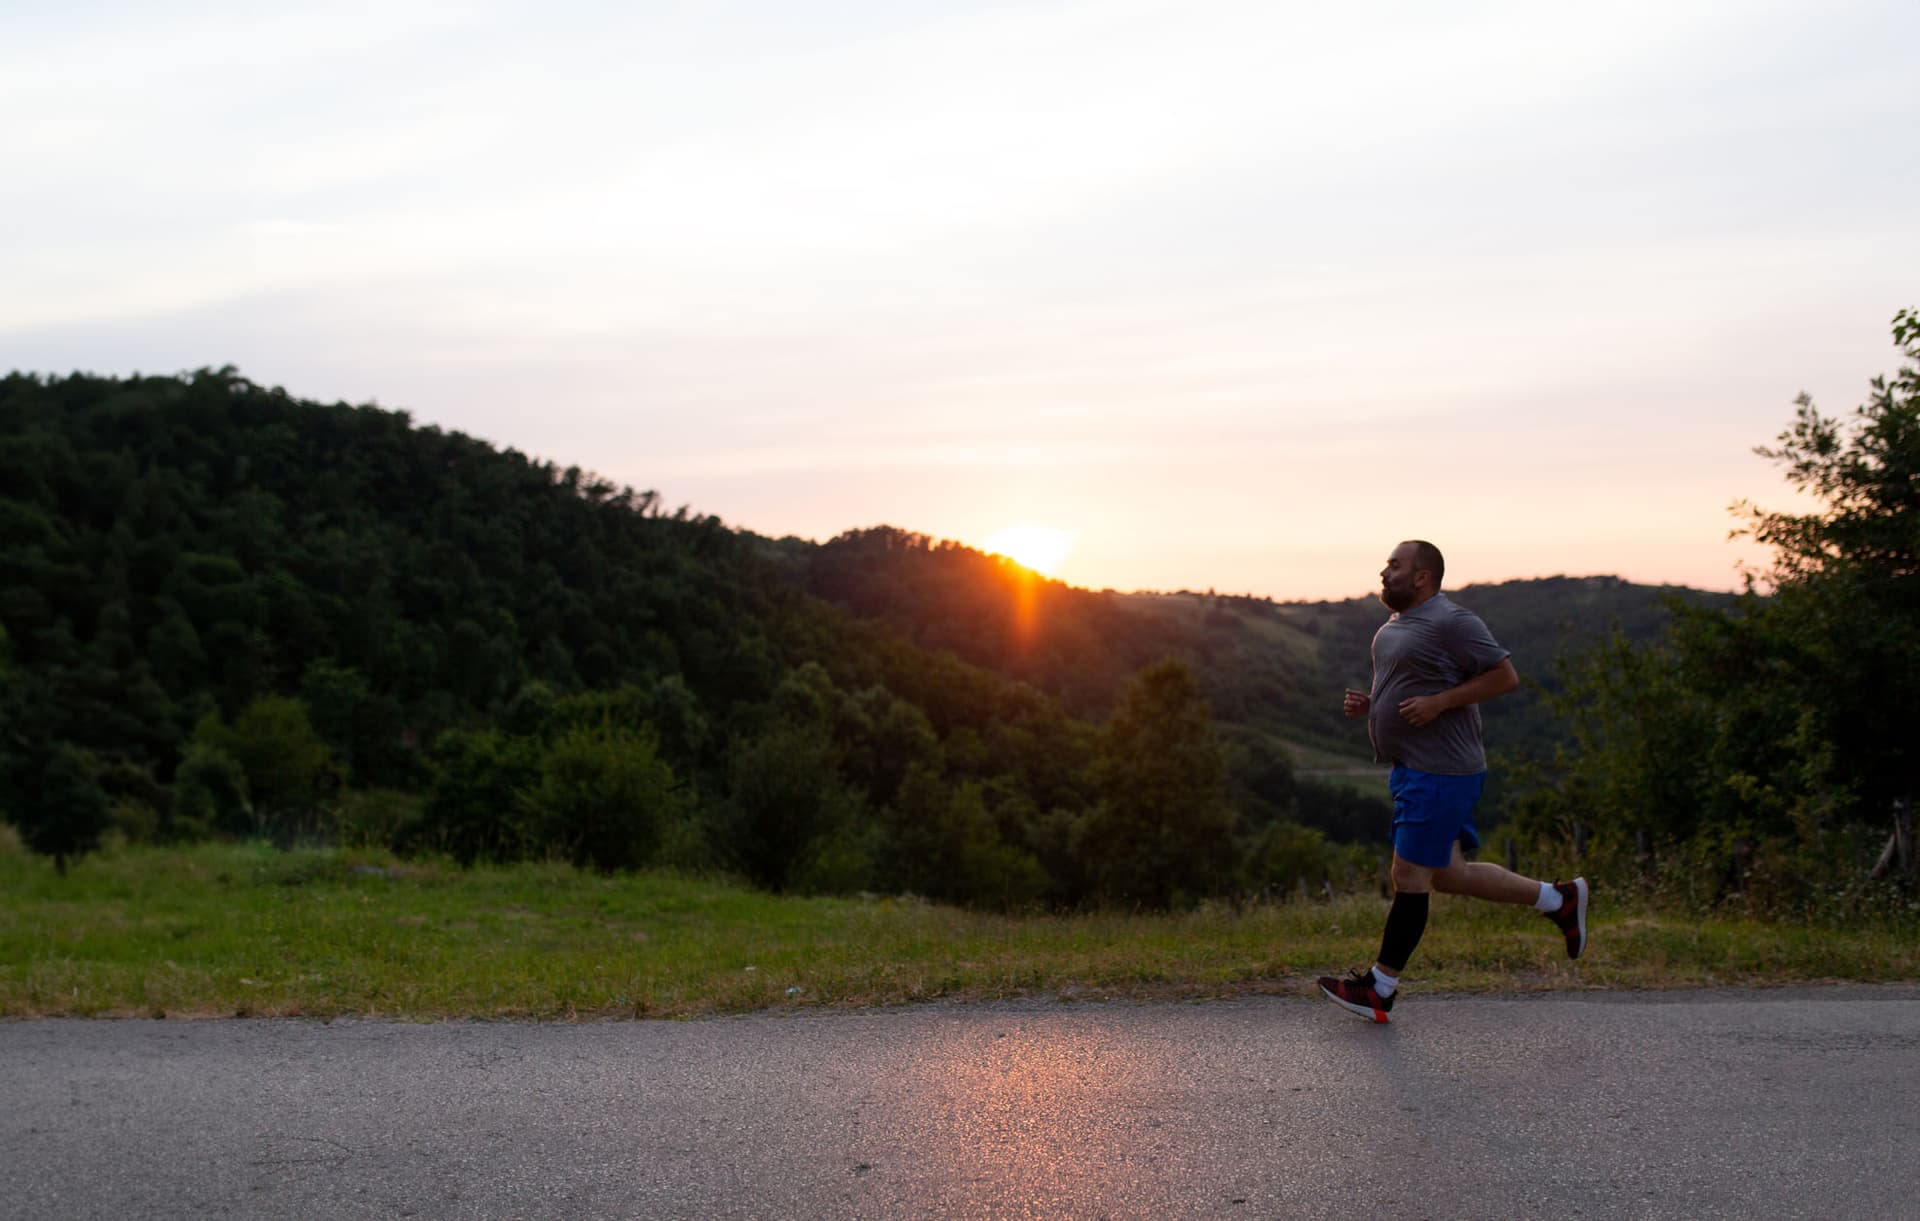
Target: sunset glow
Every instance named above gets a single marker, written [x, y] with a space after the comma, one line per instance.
[1041, 548]
[1201, 279]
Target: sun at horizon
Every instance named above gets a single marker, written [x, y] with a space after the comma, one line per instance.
[1041, 548]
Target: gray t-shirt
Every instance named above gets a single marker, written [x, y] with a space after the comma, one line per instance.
[1433, 647]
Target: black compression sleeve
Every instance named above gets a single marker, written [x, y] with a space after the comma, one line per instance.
[1406, 921]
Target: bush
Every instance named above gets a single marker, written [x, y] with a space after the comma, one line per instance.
[604, 797]
[289, 770]
[946, 845]
[135, 821]
[73, 811]
[209, 795]
[1283, 853]
[472, 811]
[373, 818]
[783, 793]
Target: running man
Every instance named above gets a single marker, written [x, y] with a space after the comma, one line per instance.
[1433, 664]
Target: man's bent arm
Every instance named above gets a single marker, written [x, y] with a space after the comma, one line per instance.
[1421, 709]
[1484, 685]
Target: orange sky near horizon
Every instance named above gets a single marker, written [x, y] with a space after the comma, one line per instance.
[1238, 294]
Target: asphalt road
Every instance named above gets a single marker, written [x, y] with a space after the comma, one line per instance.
[1752, 1104]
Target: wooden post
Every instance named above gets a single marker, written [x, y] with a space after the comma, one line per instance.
[1880, 866]
[1899, 850]
[1903, 835]
[1350, 877]
[1513, 856]
[1579, 841]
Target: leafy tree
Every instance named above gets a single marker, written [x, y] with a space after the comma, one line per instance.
[374, 818]
[1847, 576]
[289, 770]
[209, 795]
[783, 795]
[944, 844]
[604, 797]
[1767, 722]
[72, 809]
[1162, 830]
[472, 810]
[1284, 852]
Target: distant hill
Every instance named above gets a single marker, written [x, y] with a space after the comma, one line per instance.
[1272, 669]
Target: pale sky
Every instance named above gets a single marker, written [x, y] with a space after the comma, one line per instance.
[1240, 294]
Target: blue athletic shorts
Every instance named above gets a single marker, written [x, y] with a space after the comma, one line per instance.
[1431, 813]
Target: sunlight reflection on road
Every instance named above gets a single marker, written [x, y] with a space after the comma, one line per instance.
[1045, 1121]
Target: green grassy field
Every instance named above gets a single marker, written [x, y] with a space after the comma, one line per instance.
[1353, 771]
[233, 930]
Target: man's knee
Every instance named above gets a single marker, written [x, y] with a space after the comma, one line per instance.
[1412, 879]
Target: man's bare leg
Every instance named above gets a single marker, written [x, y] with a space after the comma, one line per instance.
[1477, 879]
[1480, 880]
[1370, 993]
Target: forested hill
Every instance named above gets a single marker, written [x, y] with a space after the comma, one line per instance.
[226, 611]
[1268, 668]
[229, 611]
[177, 547]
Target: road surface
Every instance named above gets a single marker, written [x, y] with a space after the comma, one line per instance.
[1800, 1102]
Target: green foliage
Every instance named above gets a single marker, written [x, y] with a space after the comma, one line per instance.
[373, 818]
[472, 810]
[361, 727]
[225, 929]
[256, 616]
[946, 845]
[1847, 577]
[1162, 832]
[604, 797]
[70, 811]
[1284, 853]
[1758, 736]
[785, 799]
[289, 771]
[209, 794]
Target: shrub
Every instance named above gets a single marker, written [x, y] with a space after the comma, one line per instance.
[603, 799]
[373, 818]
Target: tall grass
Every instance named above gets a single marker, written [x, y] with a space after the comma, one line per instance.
[223, 929]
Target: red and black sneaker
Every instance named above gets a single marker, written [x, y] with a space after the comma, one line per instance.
[1355, 993]
[1572, 916]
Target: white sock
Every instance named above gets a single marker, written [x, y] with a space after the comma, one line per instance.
[1550, 898]
[1384, 984]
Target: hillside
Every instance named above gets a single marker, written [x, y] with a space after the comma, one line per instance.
[228, 612]
[1270, 670]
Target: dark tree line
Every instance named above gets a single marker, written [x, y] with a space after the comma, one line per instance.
[227, 612]
[1270, 672]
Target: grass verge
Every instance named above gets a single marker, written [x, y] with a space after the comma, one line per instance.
[245, 930]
